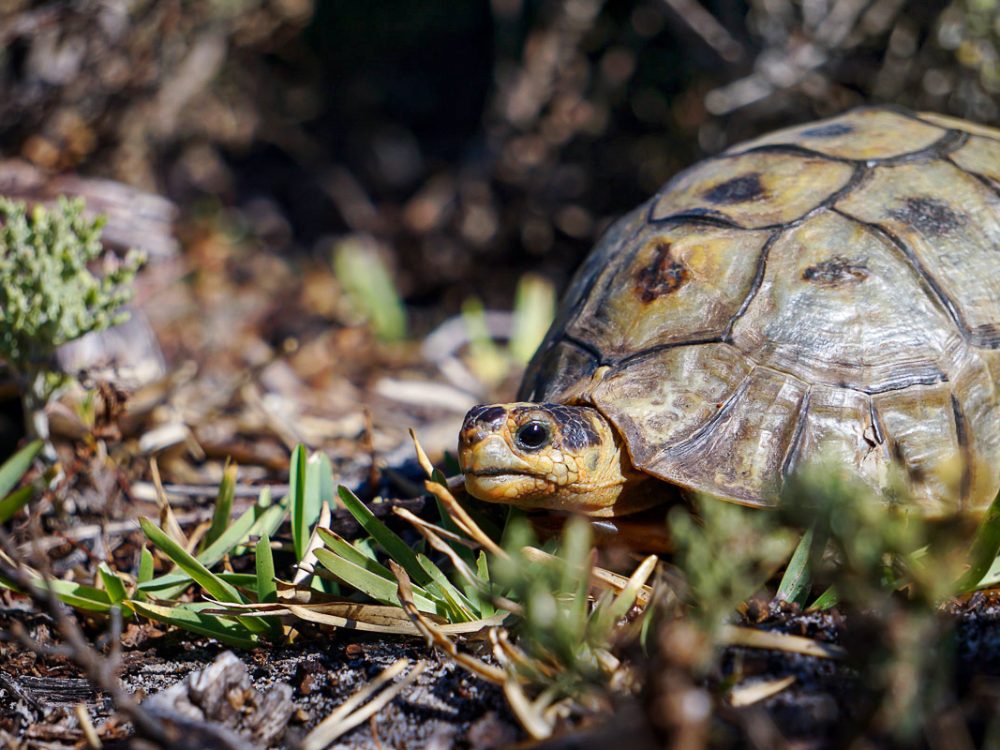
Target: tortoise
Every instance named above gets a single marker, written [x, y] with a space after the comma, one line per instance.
[831, 289]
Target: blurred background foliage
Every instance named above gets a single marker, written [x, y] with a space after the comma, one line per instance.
[469, 141]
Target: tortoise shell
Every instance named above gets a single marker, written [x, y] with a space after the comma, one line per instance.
[830, 289]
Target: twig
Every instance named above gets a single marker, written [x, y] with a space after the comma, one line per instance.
[98, 669]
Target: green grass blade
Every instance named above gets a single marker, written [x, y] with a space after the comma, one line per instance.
[797, 579]
[366, 280]
[114, 585]
[15, 501]
[825, 600]
[187, 617]
[74, 594]
[984, 550]
[241, 530]
[297, 495]
[145, 566]
[378, 588]
[215, 586]
[486, 607]
[340, 546]
[223, 505]
[267, 589]
[327, 485]
[387, 539]
[463, 610]
[15, 467]
[534, 308]
[266, 520]
[313, 500]
[167, 582]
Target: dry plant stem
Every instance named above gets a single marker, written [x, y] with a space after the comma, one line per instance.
[734, 635]
[462, 519]
[602, 578]
[747, 695]
[101, 671]
[533, 721]
[705, 25]
[435, 637]
[352, 712]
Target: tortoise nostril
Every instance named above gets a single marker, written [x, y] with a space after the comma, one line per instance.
[489, 417]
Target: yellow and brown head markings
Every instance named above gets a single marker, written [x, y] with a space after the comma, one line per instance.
[664, 275]
[740, 189]
[543, 456]
[837, 271]
[930, 215]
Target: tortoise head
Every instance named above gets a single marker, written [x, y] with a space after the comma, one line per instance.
[543, 456]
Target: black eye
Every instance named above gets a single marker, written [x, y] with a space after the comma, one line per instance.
[533, 436]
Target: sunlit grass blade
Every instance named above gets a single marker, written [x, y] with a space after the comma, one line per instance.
[145, 572]
[166, 583]
[488, 361]
[223, 505]
[461, 608]
[15, 467]
[534, 308]
[264, 521]
[362, 274]
[15, 501]
[824, 601]
[372, 584]
[316, 467]
[214, 585]
[984, 550]
[267, 589]
[188, 617]
[387, 539]
[797, 579]
[486, 607]
[74, 594]
[297, 495]
[114, 585]
[352, 554]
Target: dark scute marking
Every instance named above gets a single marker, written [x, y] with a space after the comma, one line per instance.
[837, 271]
[575, 430]
[664, 275]
[486, 416]
[962, 436]
[828, 131]
[737, 190]
[929, 215]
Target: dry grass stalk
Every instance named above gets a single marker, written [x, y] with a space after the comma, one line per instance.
[354, 710]
[435, 635]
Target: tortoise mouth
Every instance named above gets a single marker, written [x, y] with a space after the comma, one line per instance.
[499, 472]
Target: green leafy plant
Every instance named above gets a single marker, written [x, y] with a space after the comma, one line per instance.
[49, 295]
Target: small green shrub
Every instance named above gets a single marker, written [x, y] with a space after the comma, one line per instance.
[48, 292]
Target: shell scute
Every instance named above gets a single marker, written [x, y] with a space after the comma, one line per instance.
[979, 156]
[837, 425]
[752, 190]
[950, 222]
[924, 439]
[840, 305]
[661, 399]
[862, 135]
[696, 277]
[739, 454]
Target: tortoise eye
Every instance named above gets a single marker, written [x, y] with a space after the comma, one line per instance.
[532, 436]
